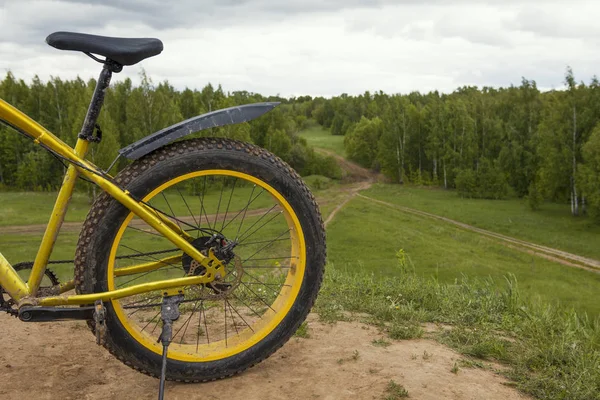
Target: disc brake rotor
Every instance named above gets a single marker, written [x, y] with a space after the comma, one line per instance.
[219, 288]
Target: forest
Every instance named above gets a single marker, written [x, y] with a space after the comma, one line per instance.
[484, 142]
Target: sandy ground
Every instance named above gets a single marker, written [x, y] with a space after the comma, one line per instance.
[62, 361]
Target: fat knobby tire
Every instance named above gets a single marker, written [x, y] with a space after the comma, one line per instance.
[140, 178]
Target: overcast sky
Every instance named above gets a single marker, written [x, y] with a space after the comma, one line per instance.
[317, 47]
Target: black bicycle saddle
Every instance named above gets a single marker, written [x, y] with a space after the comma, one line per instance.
[125, 51]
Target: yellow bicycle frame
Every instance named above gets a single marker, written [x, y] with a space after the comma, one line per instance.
[26, 292]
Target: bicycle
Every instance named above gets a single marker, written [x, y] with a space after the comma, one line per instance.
[220, 233]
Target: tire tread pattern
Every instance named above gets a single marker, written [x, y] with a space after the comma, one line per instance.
[85, 276]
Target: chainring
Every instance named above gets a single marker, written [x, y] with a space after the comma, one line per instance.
[7, 305]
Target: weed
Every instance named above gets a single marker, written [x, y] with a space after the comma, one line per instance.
[354, 357]
[303, 331]
[399, 331]
[395, 391]
[454, 368]
[469, 363]
[381, 342]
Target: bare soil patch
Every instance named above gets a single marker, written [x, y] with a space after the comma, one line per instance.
[61, 360]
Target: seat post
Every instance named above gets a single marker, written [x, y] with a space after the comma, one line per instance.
[87, 130]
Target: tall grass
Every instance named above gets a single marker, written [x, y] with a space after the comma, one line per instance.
[552, 352]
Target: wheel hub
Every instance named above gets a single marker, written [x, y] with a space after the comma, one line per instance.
[221, 286]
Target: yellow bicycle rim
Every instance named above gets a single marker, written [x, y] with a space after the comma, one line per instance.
[249, 336]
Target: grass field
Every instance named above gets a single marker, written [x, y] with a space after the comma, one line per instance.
[26, 208]
[551, 226]
[365, 237]
[322, 138]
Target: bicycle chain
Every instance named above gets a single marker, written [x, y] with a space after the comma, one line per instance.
[7, 305]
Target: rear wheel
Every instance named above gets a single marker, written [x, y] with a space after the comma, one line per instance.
[247, 206]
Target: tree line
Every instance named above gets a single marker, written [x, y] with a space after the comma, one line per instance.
[130, 113]
[485, 142]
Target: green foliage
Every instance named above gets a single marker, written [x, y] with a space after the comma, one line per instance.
[589, 175]
[132, 112]
[322, 138]
[361, 141]
[303, 331]
[318, 182]
[534, 198]
[435, 139]
[395, 391]
[487, 182]
[466, 183]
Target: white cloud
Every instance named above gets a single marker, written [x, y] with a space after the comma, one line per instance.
[315, 47]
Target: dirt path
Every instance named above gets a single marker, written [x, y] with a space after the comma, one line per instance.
[352, 172]
[62, 361]
[353, 191]
[359, 173]
[136, 223]
[559, 256]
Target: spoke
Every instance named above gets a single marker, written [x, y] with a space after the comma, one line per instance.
[260, 241]
[146, 273]
[156, 325]
[138, 259]
[202, 209]
[198, 331]
[250, 308]
[219, 205]
[140, 301]
[225, 309]
[185, 324]
[260, 298]
[138, 308]
[156, 211]
[239, 315]
[152, 319]
[170, 208]
[143, 231]
[205, 324]
[268, 244]
[232, 319]
[142, 254]
[188, 207]
[242, 236]
[266, 284]
[247, 205]
[165, 264]
[150, 253]
[271, 258]
[228, 204]
[237, 235]
[258, 281]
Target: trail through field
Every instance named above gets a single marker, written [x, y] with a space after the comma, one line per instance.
[136, 223]
[357, 173]
[62, 361]
[559, 256]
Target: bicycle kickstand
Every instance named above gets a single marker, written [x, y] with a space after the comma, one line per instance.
[169, 312]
